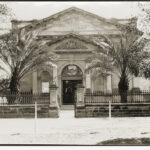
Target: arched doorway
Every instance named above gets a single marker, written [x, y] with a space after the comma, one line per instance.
[71, 76]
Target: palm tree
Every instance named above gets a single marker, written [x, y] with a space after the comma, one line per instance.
[143, 24]
[123, 58]
[21, 53]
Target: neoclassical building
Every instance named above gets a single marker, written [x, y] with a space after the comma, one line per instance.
[73, 34]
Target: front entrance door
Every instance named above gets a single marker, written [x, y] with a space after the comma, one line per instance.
[69, 87]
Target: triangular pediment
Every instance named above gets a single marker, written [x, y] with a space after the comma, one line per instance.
[75, 20]
[73, 42]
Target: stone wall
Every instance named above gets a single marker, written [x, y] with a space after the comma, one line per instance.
[20, 111]
[117, 110]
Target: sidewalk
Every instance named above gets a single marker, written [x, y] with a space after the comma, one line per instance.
[70, 130]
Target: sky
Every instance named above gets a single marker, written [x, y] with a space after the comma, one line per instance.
[39, 10]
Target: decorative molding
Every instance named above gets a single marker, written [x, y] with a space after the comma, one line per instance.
[71, 44]
[90, 36]
[71, 62]
[71, 70]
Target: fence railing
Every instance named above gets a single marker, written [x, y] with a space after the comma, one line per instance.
[24, 98]
[96, 97]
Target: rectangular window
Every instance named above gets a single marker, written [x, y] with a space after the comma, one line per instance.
[45, 87]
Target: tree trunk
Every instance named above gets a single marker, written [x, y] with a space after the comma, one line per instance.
[14, 88]
[123, 97]
[14, 84]
[123, 88]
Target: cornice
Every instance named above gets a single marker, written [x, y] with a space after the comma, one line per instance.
[50, 37]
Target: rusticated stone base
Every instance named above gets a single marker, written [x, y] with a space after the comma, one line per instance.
[131, 110]
[80, 112]
[20, 111]
[117, 110]
[53, 112]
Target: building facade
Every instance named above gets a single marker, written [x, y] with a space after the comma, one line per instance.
[73, 35]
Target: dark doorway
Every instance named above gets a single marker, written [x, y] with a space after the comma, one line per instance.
[69, 87]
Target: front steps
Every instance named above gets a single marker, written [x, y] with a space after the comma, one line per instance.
[67, 107]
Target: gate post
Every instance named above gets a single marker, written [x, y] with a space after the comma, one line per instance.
[80, 104]
[109, 109]
[53, 107]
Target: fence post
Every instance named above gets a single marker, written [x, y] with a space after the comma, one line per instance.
[80, 103]
[109, 109]
[53, 107]
[80, 96]
[35, 120]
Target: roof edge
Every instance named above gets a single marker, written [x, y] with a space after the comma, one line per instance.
[38, 22]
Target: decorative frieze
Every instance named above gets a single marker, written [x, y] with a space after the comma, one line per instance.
[71, 44]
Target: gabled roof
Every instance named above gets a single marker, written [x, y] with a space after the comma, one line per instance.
[35, 24]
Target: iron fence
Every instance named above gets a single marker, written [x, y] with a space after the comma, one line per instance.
[24, 98]
[97, 97]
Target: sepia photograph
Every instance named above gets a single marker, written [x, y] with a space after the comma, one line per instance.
[75, 73]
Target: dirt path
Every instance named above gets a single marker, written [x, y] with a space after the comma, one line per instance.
[70, 130]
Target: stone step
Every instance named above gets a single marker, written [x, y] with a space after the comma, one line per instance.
[67, 107]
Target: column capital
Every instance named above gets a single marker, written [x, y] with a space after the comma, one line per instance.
[53, 86]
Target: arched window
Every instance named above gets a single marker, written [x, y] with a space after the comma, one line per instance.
[45, 77]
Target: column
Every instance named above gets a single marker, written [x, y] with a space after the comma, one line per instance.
[55, 76]
[133, 81]
[53, 96]
[88, 81]
[109, 86]
[34, 82]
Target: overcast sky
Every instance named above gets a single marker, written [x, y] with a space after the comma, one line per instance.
[38, 10]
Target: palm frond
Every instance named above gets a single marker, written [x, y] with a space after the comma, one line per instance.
[22, 53]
